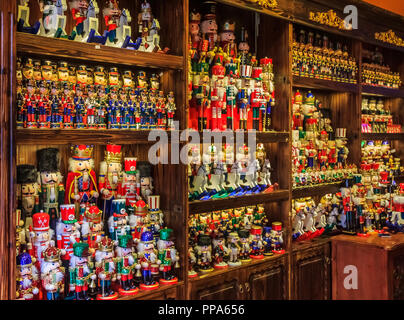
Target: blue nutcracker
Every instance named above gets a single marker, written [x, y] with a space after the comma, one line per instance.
[132, 105]
[151, 110]
[55, 106]
[243, 100]
[148, 260]
[123, 108]
[118, 222]
[113, 111]
[78, 103]
[143, 108]
[257, 247]
[267, 241]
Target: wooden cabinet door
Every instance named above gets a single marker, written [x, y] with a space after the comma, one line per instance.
[267, 281]
[226, 286]
[311, 274]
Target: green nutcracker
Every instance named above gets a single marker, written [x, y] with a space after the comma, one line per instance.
[168, 255]
[126, 261]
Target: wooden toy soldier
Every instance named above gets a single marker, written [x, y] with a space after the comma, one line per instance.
[227, 40]
[52, 192]
[80, 271]
[112, 14]
[81, 182]
[42, 104]
[138, 219]
[219, 251]
[90, 107]
[257, 247]
[244, 56]
[27, 192]
[105, 269]
[170, 106]
[194, 30]
[130, 189]
[267, 240]
[231, 95]
[203, 252]
[110, 178]
[155, 215]
[27, 277]
[208, 24]
[92, 228]
[147, 256]
[52, 273]
[126, 261]
[245, 251]
[277, 239]
[145, 174]
[79, 14]
[118, 222]
[39, 237]
[234, 249]
[67, 104]
[55, 106]
[168, 256]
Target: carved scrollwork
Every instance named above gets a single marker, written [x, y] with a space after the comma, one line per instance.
[389, 37]
[330, 19]
[264, 3]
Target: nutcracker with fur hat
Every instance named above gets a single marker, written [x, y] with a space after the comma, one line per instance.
[148, 259]
[39, 236]
[79, 10]
[27, 278]
[27, 192]
[234, 249]
[146, 180]
[105, 269]
[155, 215]
[130, 190]
[92, 228]
[110, 178]
[118, 222]
[277, 238]
[81, 182]
[245, 251]
[126, 262]
[52, 193]
[203, 253]
[52, 273]
[257, 247]
[138, 218]
[80, 271]
[340, 144]
[168, 255]
[219, 251]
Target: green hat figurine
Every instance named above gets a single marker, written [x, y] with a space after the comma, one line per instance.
[165, 233]
[80, 249]
[125, 241]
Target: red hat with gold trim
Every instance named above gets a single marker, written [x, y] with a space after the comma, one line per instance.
[82, 152]
[40, 221]
[113, 153]
[256, 230]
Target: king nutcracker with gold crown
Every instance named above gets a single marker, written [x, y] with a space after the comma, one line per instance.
[81, 183]
[52, 273]
[27, 278]
[110, 178]
[92, 228]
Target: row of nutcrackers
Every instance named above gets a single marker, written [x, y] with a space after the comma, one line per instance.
[231, 237]
[51, 215]
[228, 86]
[84, 18]
[51, 95]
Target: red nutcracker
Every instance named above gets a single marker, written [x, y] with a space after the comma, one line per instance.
[40, 236]
[92, 228]
[130, 182]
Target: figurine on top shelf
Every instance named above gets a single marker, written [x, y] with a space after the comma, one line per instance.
[23, 19]
[149, 28]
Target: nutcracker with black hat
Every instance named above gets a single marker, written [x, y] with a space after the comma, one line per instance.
[27, 192]
[168, 255]
[52, 192]
[146, 180]
[203, 253]
[27, 277]
[81, 271]
[126, 262]
[208, 24]
[52, 273]
[148, 259]
[118, 222]
[245, 250]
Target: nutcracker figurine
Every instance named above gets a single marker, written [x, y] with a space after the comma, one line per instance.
[170, 107]
[105, 269]
[145, 174]
[112, 15]
[234, 249]
[191, 260]
[52, 192]
[27, 192]
[81, 183]
[209, 25]
[203, 252]
[79, 10]
[92, 228]
[126, 261]
[52, 273]
[110, 179]
[80, 271]
[277, 239]
[39, 237]
[155, 215]
[219, 251]
[149, 27]
[148, 260]
[245, 251]
[138, 219]
[168, 255]
[27, 277]
[257, 247]
[267, 241]
[118, 222]
[130, 190]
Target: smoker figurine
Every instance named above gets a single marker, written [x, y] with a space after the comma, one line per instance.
[126, 261]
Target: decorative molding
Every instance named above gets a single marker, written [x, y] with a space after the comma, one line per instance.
[389, 37]
[264, 3]
[330, 19]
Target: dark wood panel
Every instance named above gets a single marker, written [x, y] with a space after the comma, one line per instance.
[319, 190]
[162, 293]
[383, 92]
[319, 84]
[383, 136]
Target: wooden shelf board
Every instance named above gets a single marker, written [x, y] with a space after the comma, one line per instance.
[220, 272]
[388, 243]
[91, 52]
[261, 136]
[382, 92]
[383, 136]
[306, 244]
[145, 293]
[67, 136]
[319, 84]
[316, 190]
[200, 206]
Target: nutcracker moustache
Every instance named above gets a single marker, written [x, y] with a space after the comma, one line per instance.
[203, 252]
[277, 239]
[27, 278]
[168, 256]
[148, 260]
[52, 273]
[126, 261]
[138, 219]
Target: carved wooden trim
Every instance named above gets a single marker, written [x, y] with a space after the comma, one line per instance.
[264, 3]
[330, 19]
[389, 37]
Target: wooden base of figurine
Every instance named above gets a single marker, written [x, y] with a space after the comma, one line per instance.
[192, 274]
[221, 266]
[258, 257]
[245, 260]
[111, 297]
[363, 235]
[149, 287]
[234, 264]
[268, 254]
[278, 251]
[130, 292]
[206, 270]
[169, 282]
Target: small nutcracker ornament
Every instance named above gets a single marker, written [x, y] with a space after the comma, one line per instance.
[105, 269]
[234, 249]
[148, 260]
[245, 251]
[219, 251]
[257, 247]
[52, 273]
[168, 255]
[80, 271]
[27, 277]
[52, 192]
[203, 252]
[110, 178]
[126, 261]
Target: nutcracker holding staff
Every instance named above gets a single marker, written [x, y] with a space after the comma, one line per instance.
[126, 261]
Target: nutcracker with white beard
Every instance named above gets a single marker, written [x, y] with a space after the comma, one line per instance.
[52, 192]
[92, 228]
[27, 277]
[105, 269]
[81, 183]
[148, 260]
[52, 273]
[130, 182]
[138, 219]
[110, 178]
[118, 222]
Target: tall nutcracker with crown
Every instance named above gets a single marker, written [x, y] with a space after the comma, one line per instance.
[110, 178]
[126, 262]
[27, 277]
[81, 183]
[52, 273]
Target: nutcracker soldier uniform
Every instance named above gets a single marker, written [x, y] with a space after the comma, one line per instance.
[155, 215]
[110, 179]
[277, 239]
[130, 190]
[52, 273]
[203, 252]
[52, 192]
[138, 219]
[92, 228]
[111, 14]
[126, 261]
[148, 260]
[40, 236]
[168, 256]
[81, 183]
[244, 245]
[267, 241]
[118, 222]
[105, 269]
[27, 277]
[257, 247]
[145, 174]
[80, 271]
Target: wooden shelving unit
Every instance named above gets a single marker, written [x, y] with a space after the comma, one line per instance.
[383, 136]
[316, 190]
[382, 92]
[320, 84]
